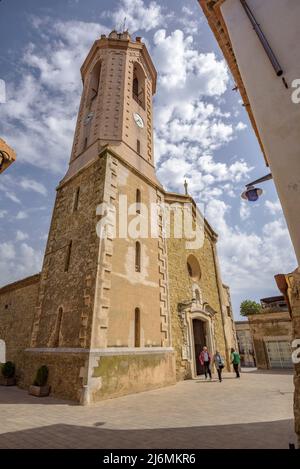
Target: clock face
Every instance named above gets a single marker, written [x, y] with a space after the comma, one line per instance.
[88, 118]
[138, 120]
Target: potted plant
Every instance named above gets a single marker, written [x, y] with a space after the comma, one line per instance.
[40, 387]
[8, 370]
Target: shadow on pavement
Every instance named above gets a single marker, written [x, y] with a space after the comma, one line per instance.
[267, 435]
[270, 372]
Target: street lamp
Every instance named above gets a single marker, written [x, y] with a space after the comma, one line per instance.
[253, 193]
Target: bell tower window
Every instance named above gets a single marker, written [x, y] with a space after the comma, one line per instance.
[135, 88]
[94, 83]
[138, 85]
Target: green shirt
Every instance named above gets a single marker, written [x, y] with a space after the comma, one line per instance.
[235, 358]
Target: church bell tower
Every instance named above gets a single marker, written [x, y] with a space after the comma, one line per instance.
[102, 318]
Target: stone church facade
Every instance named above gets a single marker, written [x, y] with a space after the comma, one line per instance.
[114, 314]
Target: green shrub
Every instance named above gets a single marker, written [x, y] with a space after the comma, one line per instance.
[41, 376]
[8, 370]
[249, 307]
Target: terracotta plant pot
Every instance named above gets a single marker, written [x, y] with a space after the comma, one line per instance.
[7, 381]
[39, 391]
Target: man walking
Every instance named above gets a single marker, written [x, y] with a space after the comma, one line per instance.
[235, 360]
[205, 360]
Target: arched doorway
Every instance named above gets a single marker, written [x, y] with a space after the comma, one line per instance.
[199, 332]
[2, 351]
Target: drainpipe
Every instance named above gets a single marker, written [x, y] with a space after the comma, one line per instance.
[221, 300]
[262, 38]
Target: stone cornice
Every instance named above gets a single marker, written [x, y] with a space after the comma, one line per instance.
[109, 351]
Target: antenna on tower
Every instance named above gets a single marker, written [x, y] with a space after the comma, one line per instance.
[124, 25]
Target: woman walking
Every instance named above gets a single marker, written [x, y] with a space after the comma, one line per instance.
[219, 364]
[205, 359]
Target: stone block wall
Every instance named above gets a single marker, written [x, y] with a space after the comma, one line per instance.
[70, 288]
[67, 374]
[266, 325]
[17, 307]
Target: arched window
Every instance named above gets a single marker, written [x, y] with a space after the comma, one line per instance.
[58, 327]
[94, 83]
[193, 268]
[138, 201]
[138, 85]
[137, 327]
[135, 88]
[2, 351]
[137, 256]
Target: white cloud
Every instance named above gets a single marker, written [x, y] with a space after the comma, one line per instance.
[7, 251]
[249, 260]
[9, 195]
[27, 184]
[139, 16]
[3, 213]
[21, 215]
[273, 207]
[18, 261]
[245, 210]
[180, 64]
[222, 171]
[190, 20]
[241, 126]
[32, 185]
[21, 236]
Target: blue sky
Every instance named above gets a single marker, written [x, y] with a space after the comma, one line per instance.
[202, 132]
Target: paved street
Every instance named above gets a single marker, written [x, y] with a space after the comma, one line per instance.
[253, 412]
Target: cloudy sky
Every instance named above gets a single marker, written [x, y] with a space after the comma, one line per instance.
[202, 131]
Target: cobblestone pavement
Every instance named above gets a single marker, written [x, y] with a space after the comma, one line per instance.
[253, 412]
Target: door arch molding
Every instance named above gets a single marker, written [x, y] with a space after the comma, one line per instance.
[2, 351]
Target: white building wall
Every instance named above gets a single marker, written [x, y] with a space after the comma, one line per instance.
[277, 117]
